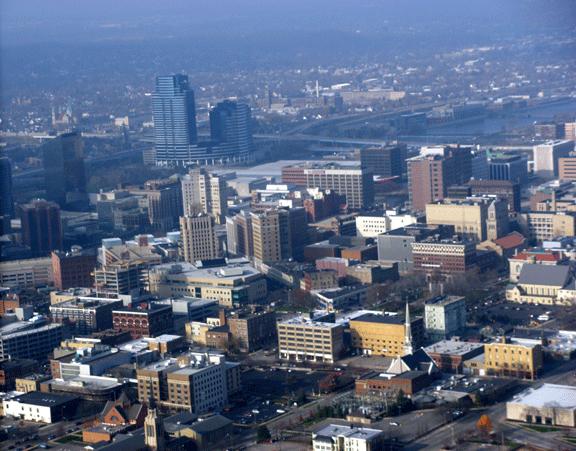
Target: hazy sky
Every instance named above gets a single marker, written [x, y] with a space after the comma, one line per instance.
[27, 21]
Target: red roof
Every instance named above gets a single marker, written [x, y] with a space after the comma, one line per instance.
[539, 256]
[511, 240]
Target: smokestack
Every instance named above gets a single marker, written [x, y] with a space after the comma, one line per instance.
[222, 317]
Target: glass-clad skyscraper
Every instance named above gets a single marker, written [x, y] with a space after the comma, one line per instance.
[174, 114]
[230, 128]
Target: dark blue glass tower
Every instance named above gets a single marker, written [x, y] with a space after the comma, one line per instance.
[174, 114]
[231, 131]
[6, 200]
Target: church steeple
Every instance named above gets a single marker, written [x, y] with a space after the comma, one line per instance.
[407, 333]
[154, 430]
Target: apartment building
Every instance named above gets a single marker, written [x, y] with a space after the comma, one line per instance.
[196, 382]
[444, 316]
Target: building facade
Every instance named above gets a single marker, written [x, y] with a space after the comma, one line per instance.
[174, 113]
[73, 269]
[433, 171]
[305, 340]
[547, 156]
[386, 161]
[152, 321]
[444, 317]
[356, 184]
[198, 235]
[41, 226]
[510, 359]
[385, 335]
[203, 192]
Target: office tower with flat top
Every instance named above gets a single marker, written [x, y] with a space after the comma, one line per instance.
[64, 172]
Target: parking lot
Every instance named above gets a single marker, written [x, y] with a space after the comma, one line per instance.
[507, 315]
[271, 392]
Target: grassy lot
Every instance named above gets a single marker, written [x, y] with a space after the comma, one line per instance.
[542, 428]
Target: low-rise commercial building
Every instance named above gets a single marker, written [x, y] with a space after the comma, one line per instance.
[513, 359]
[85, 315]
[550, 405]
[408, 382]
[32, 339]
[27, 273]
[40, 407]
[343, 438]
[449, 355]
[88, 362]
[252, 330]
[148, 320]
[372, 273]
[371, 226]
[234, 284]
[319, 280]
[340, 298]
[445, 257]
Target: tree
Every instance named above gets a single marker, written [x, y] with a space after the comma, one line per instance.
[263, 434]
[484, 425]
[402, 401]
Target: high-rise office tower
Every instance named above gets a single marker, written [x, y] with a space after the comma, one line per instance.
[41, 226]
[546, 157]
[164, 202]
[385, 161]
[6, 200]
[434, 170]
[512, 167]
[174, 114]
[64, 171]
[298, 223]
[239, 234]
[199, 241]
[204, 192]
[231, 130]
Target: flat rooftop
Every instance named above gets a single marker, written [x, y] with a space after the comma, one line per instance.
[335, 430]
[302, 321]
[382, 319]
[443, 300]
[548, 395]
[44, 399]
[453, 347]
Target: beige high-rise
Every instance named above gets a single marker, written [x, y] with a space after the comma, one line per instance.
[198, 237]
[270, 235]
[203, 192]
